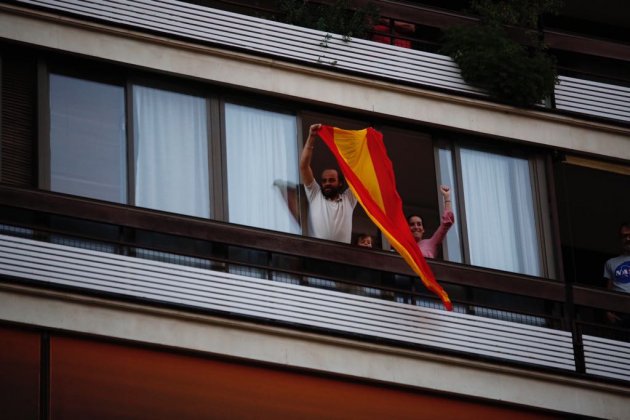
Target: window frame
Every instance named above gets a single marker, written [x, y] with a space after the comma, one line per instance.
[86, 72]
[213, 126]
[215, 97]
[266, 105]
[539, 180]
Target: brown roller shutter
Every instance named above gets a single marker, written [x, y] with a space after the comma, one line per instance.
[18, 166]
[97, 380]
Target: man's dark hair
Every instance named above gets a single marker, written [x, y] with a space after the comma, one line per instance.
[623, 225]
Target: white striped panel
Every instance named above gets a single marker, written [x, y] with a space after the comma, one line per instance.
[275, 38]
[606, 357]
[594, 98]
[295, 304]
[253, 34]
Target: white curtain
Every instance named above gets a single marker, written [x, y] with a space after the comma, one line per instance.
[171, 151]
[501, 222]
[262, 166]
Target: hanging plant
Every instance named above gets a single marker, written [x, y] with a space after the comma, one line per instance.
[491, 60]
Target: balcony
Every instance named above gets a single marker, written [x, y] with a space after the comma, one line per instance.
[121, 253]
[172, 18]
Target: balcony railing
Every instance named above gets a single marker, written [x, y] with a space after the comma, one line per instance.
[288, 42]
[120, 252]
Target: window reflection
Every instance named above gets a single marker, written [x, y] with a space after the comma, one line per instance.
[87, 139]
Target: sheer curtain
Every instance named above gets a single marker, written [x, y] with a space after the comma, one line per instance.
[171, 151]
[500, 216]
[262, 168]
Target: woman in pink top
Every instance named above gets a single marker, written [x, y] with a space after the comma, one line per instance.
[429, 247]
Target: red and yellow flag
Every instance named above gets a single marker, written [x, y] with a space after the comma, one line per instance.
[364, 162]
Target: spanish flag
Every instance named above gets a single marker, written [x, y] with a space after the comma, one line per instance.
[364, 162]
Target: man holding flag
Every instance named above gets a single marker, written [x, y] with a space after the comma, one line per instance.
[330, 206]
[362, 157]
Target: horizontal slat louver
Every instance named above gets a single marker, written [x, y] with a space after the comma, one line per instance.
[284, 303]
[277, 39]
[606, 357]
[593, 98]
[272, 38]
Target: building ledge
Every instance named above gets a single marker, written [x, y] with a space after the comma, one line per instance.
[179, 329]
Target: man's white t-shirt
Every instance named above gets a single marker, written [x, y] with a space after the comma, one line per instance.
[330, 219]
[618, 270]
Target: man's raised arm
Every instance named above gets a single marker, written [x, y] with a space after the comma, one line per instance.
[307, 154]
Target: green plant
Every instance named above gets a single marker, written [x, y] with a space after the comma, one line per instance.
[338, 18]
[519, 74]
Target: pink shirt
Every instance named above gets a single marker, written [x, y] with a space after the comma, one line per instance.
[429, 247]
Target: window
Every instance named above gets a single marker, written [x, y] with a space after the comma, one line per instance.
[88, 145]
[262, 178]
[87, 138]
[592, 204]
[451, 247]
[262, 168]
[385, 28]
[500, 224]
[187, 152]
[174, 156]
[411, 153]
[171, 151]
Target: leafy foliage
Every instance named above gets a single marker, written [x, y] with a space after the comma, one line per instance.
[521, 13]
[338, 18]
[489, 59]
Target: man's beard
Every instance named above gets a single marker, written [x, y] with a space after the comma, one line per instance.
[330, 192]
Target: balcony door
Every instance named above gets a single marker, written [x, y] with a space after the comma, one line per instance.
[501, 219]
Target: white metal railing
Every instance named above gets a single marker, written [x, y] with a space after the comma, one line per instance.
[593, 98]
[606, 357]
[269, 37]
[299, 44]
[228, 293]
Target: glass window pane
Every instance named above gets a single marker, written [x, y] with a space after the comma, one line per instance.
[87, 139]
[262, 168]
[452, 247]
[500, 215]
[171, 151]
[582, 187]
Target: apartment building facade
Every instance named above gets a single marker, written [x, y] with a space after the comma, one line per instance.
[156, 257]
